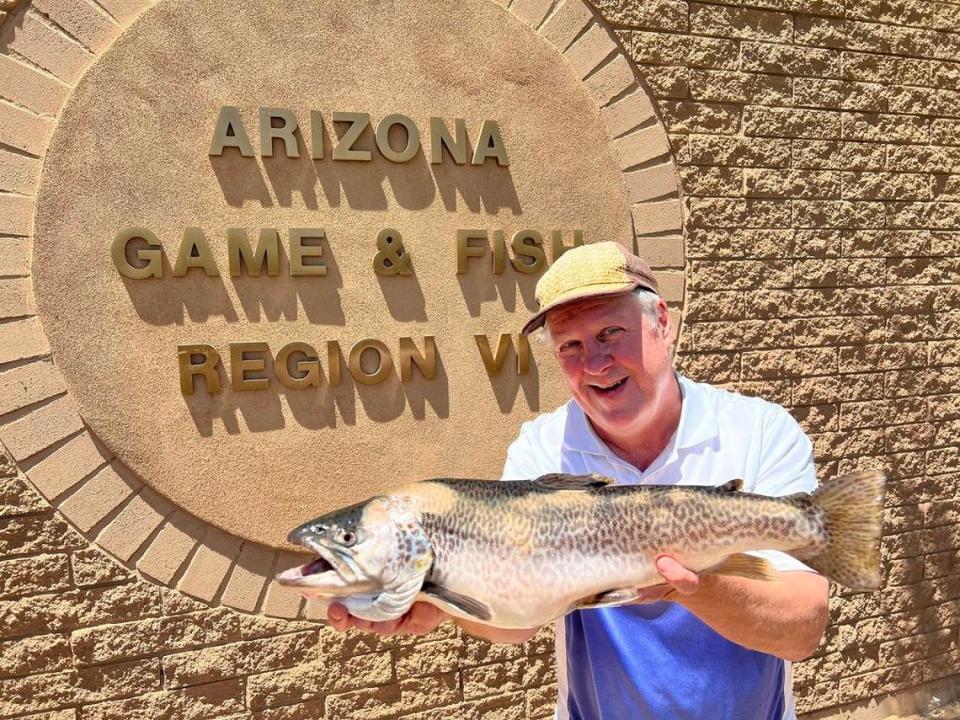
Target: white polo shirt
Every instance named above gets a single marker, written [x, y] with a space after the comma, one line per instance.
[721, 436]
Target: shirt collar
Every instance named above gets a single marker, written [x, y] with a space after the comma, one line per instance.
[698, 424]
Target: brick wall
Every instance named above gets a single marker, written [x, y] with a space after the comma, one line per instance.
[818, 143]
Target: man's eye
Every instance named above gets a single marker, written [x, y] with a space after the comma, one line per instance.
[610, 332]
[568, 346]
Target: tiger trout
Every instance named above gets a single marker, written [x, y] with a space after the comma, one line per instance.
[518, 554]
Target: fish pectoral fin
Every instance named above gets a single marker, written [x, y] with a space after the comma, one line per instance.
[462, 603]
[562, 481]
[610, 598]
[745, 566]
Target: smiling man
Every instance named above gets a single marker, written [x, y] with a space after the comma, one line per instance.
[698, 646]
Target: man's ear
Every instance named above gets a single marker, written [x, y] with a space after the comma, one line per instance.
[663, 318]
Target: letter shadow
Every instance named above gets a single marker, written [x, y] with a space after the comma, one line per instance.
[404, 297]
[317, 408]
[166, 300]
[507, 384]
[240, 178]
[479, 284]
[486, 188]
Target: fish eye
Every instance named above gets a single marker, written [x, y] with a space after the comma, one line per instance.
[348, 537]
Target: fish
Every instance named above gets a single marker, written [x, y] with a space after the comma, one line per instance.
[519, 554]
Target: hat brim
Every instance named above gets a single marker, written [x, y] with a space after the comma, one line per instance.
[581, 293]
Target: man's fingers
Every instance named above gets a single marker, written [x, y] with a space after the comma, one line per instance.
[338, 617]
[422, 618]
[684, 580]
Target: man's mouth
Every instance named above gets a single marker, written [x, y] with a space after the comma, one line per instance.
[611, 387]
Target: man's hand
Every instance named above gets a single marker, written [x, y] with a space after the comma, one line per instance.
[420, 619]
[678, 581]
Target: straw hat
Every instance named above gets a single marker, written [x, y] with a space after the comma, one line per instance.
[605, 268]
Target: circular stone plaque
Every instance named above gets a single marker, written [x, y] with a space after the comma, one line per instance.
[404, 278]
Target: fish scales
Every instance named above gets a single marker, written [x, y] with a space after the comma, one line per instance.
[521, 553]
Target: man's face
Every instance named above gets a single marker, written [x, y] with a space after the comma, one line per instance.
[616, 362]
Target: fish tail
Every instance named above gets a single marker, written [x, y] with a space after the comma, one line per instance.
[852, 522]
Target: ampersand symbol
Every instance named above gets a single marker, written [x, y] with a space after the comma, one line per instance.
[392, 259]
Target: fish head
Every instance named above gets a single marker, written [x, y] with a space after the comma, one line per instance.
[362, 550]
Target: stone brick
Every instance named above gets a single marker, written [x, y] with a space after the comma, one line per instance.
[14, 251]
[249, 577]
[724, 86]
[879, 127]
[886, 186]
[840, 95]
[589, 51]
[838, 214]
[739, 275]
[739, 151]
[123, 10]
[28, 384]
[83, 22]
[920, 158]
[842, 388]
[791, 183]
[135, 523]
[789, 60]
[196, 703]
[145, 638]
[43, 44]
[769, 364]
[791, 123]
[36, 534]
[741, 23]
[17, 498]
[697, 117]
[16, 218]
[566, 22]
[837, 155]
[92, 566]
[75, 687]
[21, 340]
[817, 418]
[662, 252]
[885, 68]
[641, 146]
[832, 272]
[686, 50]
[172, 546]
[41, 428]
[657, 217]
[22, 130]
[628, 113]
[708, 337]
[817, 243]
[309, 680]
[532, 12]
[720, 305]
[36, 574]
[213, 664]
[35, 655]
[670, 15]
[652, 182]
[924, 271]
[711, 181]
[612, 80]
[871, 243]
[880, 413]
[68, 465]
[97, 497]
[384, 703]
[209, 566]
[736, 213]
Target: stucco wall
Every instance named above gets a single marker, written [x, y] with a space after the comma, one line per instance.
[819, 149]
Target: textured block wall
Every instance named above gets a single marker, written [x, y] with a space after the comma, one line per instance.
[818, 143]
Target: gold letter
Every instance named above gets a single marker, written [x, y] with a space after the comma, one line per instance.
[343, 150]
[494, 363]
[285, 132]
[440, 138]
[207, 367]
[299, 251]
[308, 369]
[230, 132]
[528, 243]
[410, 356]
[499, 252]
[333, 362]
[268, 248]
[383, 138]
[557, 246]
[316, 135]
[466, 250]
[490, 144]
[154, 266]
[193, 240]
[384, 362]
[239, 365]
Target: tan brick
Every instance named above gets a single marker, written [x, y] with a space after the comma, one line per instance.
[14, 256]
[16, 298]
[841, 388]
[768, 364]
[16, 215]
[885, 68]
[789, 60]
[652, 15]
[22, 130]
[68, 465]
[663, 216]
[19, 174]
[26, 86]
[172, 546]
[879, 682]
[46, 46]
[385, 703]
[28, 384]
[741, 23]
[590, 50]
[91, 566]
[647, 183]
[628, 113]
[641, 146]
[143, 638]
[807, 184]
[279, 601]
[18, 498]
[919, 158]
[725, 335]
[613, 79]
[309, 680]
[879, 127]
[31, 656]
[249, 577]
[725, 86]
[124, 535]
[739, 152]
[839, 214]
[31, 535]
[41, 428]
[683, 50]
[841, 95]
[837, 155]
[532, 12]
[739, 274]
[566, 23]
[123, 10]
[666, 81]
[791, 123]
[195, 703]
[880, 413]
[711, 181]
[29, 575]
[97, 497]
[210, 565]
[83, 21]
[697, 117]
[739, 213]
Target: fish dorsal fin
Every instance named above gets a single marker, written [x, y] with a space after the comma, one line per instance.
[562, 481]
[732, 486]
[745, 566]
[464, 604]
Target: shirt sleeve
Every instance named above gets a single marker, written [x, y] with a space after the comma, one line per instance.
[521, 463]
[786, 467]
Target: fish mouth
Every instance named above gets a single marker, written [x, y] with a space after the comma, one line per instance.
[326, 574]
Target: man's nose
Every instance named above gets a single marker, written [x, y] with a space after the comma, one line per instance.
[597, 359]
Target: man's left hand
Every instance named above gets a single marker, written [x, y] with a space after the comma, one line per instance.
[678, 580]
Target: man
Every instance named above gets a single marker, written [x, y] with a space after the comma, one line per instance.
[706, 646]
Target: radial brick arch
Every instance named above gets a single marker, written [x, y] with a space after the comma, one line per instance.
[39, 422]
